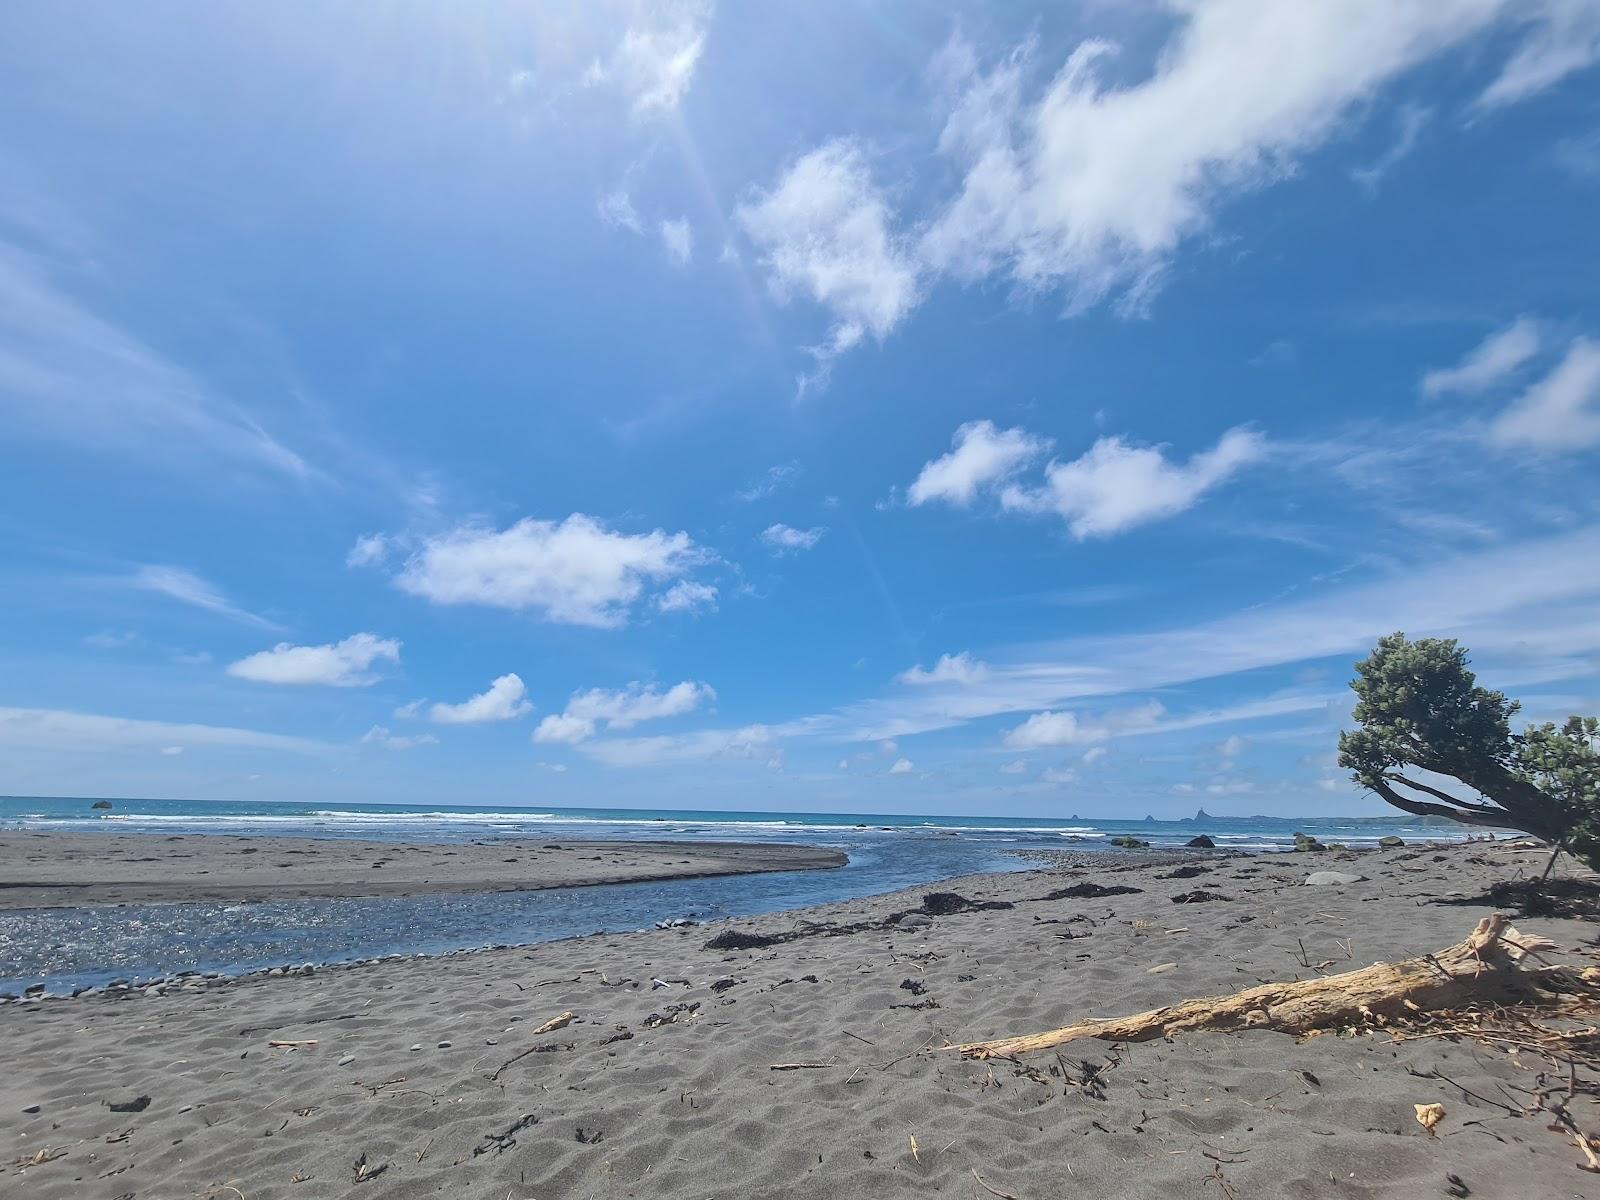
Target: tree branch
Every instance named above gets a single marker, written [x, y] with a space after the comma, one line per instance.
[1426, 808]
[1469, 805]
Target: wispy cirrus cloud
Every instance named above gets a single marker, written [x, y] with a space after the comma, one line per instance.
[187, 587]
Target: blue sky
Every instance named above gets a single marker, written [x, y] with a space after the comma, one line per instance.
[835, 406]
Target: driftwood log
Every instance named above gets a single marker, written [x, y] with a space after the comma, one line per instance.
[1488, 967]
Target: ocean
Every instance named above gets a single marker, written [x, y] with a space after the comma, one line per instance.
[79, 947]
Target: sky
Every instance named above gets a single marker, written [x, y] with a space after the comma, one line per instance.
[829, 406]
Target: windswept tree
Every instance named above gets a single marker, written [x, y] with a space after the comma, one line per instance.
[1433, 743]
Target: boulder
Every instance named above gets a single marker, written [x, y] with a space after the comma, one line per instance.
[101, 804]
[1201, 843]
[1391, 842]
[1332, 878]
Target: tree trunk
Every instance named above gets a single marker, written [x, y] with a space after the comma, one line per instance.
[1488, 966]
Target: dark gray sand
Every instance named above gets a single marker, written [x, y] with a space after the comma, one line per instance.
[52, 870]
[430, 1079]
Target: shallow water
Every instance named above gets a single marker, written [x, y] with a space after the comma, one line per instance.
[66, 948]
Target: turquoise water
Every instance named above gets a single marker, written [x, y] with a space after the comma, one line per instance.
[66, 948]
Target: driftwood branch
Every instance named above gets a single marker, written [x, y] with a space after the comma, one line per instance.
[1489, 966]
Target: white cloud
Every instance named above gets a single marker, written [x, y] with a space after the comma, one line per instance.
[1017, 766]
[1116, 486]
[654, 63]
[1559, 413]
[558, 728]
[370, 550]
[1493, 360]
[951, 668]
[379, 735]
[1093, 755]
[69, 375]
[616, 209]
[785, 539]
[172, 751]
[677, 239]
[823, 231]
[1564, 38]
[574, 572]
[902, 766]
[620, 709]
[1066, 729]
[983, 455]
[106, 640]
[342, 664]
[781, 475]
[1410, 122]
[687, 596]
[55, 729]
[184, 586]
[1231, 747]
[712, 745]
[1059, 775]
[504, 701]
[1092, 187]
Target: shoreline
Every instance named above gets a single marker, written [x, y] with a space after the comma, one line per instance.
[52, 869]
[683, 1064]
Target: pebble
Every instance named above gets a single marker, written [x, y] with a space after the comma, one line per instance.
[914, 921]
[416, 1046]
[347, 1060]
[1325, 878]
[445, 1045]
[30, 1108]
[1162, 968]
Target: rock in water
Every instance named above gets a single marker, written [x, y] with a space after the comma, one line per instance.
[1201, 843]
[101, 804]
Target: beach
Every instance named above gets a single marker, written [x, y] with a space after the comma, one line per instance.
[47, 870]
[808, 1060]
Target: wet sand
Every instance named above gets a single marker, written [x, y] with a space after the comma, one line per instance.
[461, 1076]
[53, 870]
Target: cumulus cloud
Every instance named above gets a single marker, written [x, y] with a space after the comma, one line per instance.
[687, 596]
[1559, 413]
[654, 63]
[951, 668]
[575, 572]
[982, 456]
[1016, 766]
[1117, 486]
[341, 664]
[1045, 729]
[677, 239]
[1491, 361]
[824, 231]
[785, 539]
[1089, 185]
[587, 711]
[902, 766]
[504, 701]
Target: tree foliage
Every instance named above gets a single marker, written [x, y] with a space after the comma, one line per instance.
[1427, 731]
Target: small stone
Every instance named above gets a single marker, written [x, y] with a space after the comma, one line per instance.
[1162, 968]
[445, 1045]
[914, 921]
[30, 1108]
[416, 1045]
[347, 1060]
